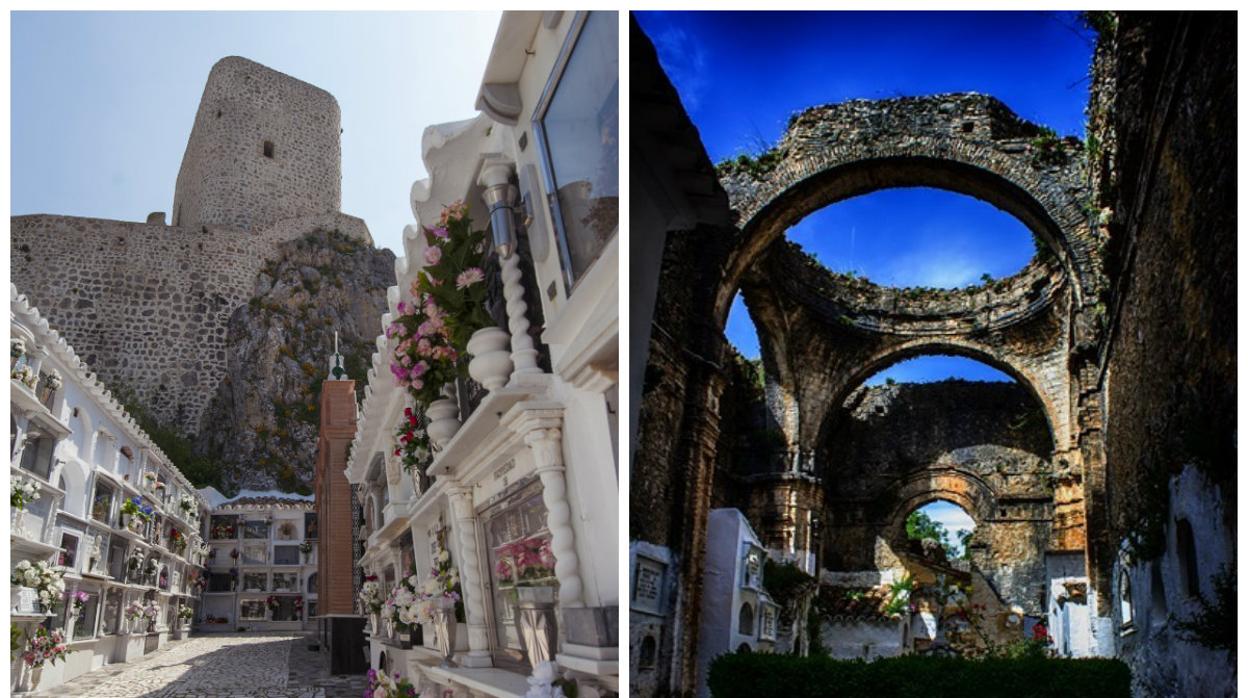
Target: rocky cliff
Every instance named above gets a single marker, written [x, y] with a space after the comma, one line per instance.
[261, 426]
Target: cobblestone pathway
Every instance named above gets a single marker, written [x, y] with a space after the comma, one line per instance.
[222, 665]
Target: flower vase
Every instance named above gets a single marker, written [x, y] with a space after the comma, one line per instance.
[17, 519]
[444, 630]
[372, 624]
[30, 678]
[443, 418]
[491, 361]
[536, 620]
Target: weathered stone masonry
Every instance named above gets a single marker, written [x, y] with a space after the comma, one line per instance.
[1124, 340]
[1164, 117]
[228, 178]
[822, 336]
[147, 304]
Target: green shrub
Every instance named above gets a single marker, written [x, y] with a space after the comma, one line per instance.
[913, 676]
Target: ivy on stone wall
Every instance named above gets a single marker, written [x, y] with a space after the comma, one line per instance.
[201, 470]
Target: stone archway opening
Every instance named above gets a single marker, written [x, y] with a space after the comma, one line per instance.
[918, 238]
[941, 527]
[937, 486]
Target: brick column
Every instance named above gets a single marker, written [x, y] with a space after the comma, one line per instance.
[701, 436]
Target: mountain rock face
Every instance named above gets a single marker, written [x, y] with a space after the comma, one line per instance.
[261, 426]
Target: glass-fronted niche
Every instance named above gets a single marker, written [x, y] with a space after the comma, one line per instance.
[223, 527]
[286, 609]
[520, 559]
[579, 124]
[255, 581]
[255, 554]
[37, 453]
[258, 530]
[252, 609]
[287, 529]
[310, 529]
[286, 581]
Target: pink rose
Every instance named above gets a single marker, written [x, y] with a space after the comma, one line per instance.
[433, 255]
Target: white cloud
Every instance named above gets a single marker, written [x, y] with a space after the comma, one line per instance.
[937, 269]
[684, 61]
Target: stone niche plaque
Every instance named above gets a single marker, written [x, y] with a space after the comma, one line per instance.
[27, 602]
[767, 629]
[649, 576]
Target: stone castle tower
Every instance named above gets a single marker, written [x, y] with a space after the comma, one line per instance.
[147, 304]
[264, 147]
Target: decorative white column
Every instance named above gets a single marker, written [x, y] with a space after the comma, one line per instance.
[469, 564]
[546, 445]
[500, 196]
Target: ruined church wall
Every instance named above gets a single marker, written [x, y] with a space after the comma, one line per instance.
[146, 305]
[993, 434]
[1168, 107]
[889, 431]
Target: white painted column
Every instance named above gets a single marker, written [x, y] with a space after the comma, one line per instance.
[470, 581]
[546, 445]
[496, 178]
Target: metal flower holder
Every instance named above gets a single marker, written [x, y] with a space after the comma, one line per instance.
[536, 618]
[444, 629]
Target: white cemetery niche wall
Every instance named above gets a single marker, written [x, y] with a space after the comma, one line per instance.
[650, 594]
[733, 599]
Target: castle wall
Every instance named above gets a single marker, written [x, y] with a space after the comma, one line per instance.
[146, 305]
[227, 179]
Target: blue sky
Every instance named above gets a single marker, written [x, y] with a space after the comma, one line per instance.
[741, 75]
[954, 519]
[102, 103]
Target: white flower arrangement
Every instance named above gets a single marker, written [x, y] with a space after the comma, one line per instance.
[17, 348]
[23, 491]
[54, 380]
[45, 579]
[370, 597]
[406, 606]
[26, 375]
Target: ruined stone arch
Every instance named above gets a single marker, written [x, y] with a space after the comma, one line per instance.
[1014, 366]
[834, 152]
[976, 497]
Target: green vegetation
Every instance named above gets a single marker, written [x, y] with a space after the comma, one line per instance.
[752, 675]
[1213, 626]
[1048, 149]
[1103, 22]
[786, 584]
[201, 470]
[920, 526]
[756, 167]
[899, 595]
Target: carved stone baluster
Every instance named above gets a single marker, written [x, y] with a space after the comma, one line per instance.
[500, 194]
[469, 565]
[547, 447]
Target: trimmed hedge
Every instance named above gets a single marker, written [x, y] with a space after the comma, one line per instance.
[787, 676]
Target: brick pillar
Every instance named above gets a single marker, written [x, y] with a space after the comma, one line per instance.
[335, 553]
[706, 386]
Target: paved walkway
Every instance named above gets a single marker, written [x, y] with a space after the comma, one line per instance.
[221, 665]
